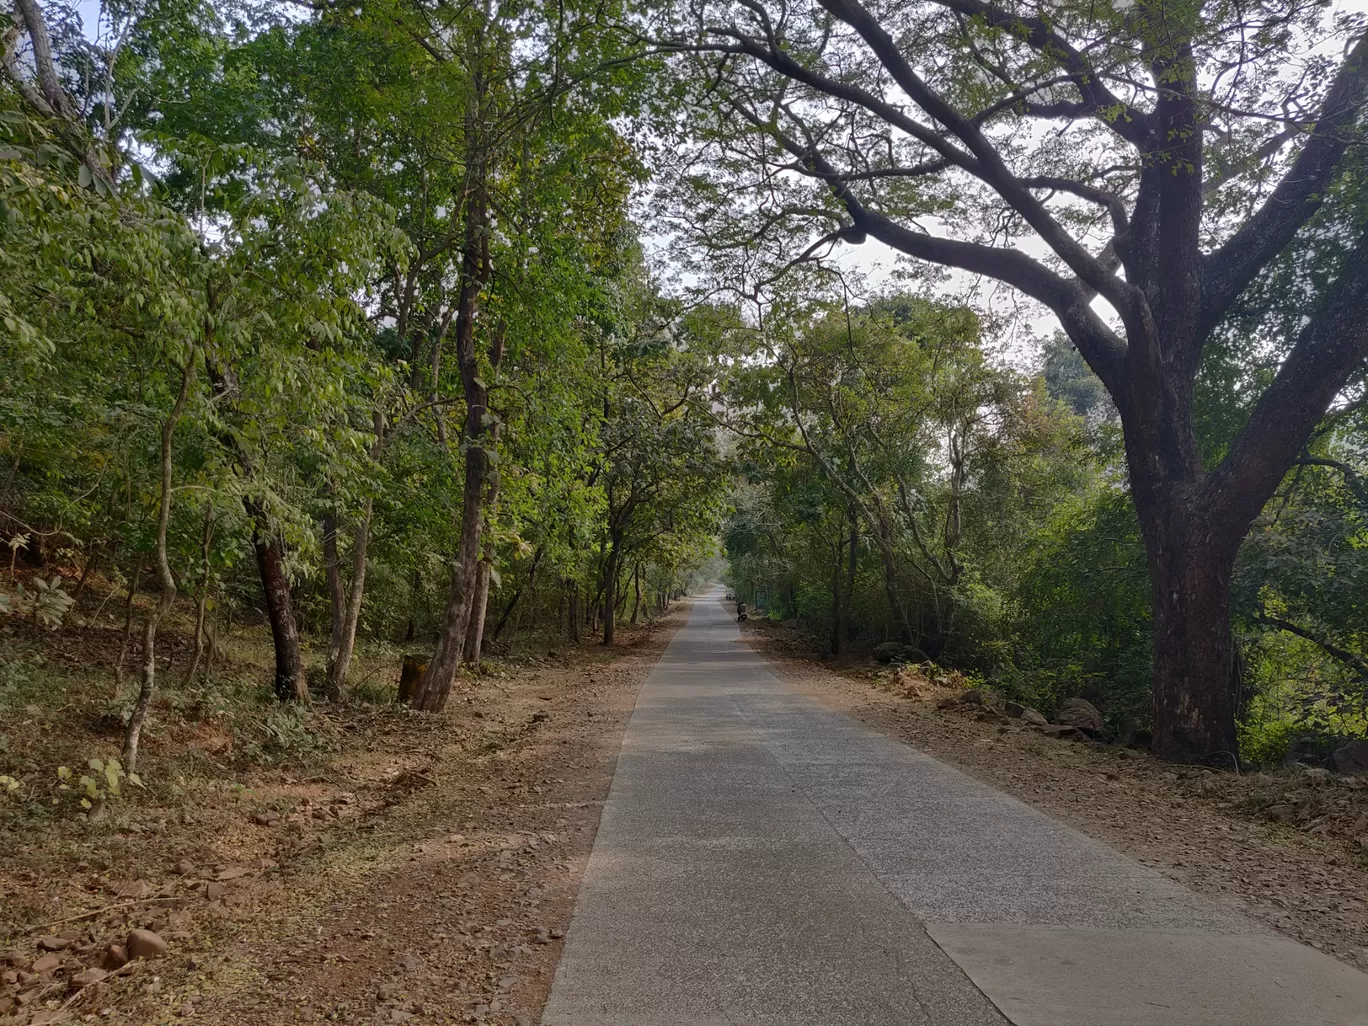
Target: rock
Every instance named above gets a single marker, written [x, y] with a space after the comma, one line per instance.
[557, 934]
[1285, 813]
[235, 873]
[54, 943]
[791, 624]
[1352, 759]
[115, 956]
[974, 696]
[1316, 774]
[47, 963]
[144, 944]
[214, 890]
[1063, 731]
[1014, 709]
[88, 976]
[268, 818]
[15, 958]
[887, 651]
[1034, 718]
[1080, 714]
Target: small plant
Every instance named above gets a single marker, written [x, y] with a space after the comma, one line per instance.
[47, 602]
[105, 783]
[16, 542]
[50, 603]
[8, 784]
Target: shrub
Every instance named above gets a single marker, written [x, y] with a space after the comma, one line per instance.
[1264, 742]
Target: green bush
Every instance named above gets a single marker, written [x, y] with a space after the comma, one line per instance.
[1264, 742]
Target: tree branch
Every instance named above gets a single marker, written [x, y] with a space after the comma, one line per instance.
[1359, 665]
[1325, 354]
[1130, 123]
[1298, 196]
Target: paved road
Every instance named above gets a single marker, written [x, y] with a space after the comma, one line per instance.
[764, 861]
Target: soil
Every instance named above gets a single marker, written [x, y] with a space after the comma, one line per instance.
[1290, 848]
[423, 871]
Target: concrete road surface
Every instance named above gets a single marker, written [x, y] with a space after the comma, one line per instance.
[764, 861]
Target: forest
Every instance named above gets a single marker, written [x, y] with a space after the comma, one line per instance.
[377, 376]
[345, 332]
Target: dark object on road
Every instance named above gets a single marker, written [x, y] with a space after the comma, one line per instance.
[411, 676]
[740, 612]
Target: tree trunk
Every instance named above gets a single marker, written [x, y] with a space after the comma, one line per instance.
[636, 596]
[275, 585]
[435, 687]
[1194, 694]
[572, 618]
[610, 583]
[513, 602]
[416, 588]
[838, 613]
[343, 642]
[432, 692]
[202, 600]
[474, 642]
[136, 719]
[337, 601]
[847, 625]
[127, 629]
[895, 605]
[355, 596]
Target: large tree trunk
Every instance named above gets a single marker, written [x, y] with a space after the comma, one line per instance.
[275, 585]
[1194, 698]
[435, 687]
[636, 597]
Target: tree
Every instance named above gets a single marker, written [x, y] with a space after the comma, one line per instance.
[1185, 146]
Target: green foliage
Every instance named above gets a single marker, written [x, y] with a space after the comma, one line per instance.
[1265, 742]
[104, 782]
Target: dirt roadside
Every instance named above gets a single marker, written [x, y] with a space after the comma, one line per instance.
[1284, 847]
[425, 874]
